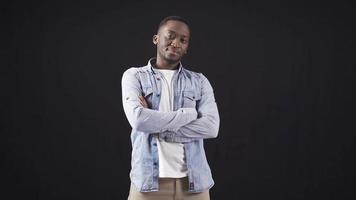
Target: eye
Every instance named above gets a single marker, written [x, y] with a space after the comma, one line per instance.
[170, 35]
[184, 41]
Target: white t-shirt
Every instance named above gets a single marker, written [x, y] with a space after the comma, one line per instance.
[171, 157]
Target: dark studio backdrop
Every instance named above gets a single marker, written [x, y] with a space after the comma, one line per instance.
[284, 77]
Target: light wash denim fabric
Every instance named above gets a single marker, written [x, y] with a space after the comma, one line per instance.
[194, 118]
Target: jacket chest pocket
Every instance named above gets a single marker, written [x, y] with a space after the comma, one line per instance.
[190, 99]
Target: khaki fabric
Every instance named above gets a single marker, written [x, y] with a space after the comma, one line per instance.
[169, 189]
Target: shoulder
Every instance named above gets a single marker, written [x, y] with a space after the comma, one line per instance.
[194, 75]
[191, 74]
[134, 71]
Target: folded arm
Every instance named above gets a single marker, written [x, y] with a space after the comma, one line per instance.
[148, 120]
[207, 123]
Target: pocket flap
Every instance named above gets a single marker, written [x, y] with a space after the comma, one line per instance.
[191, 95]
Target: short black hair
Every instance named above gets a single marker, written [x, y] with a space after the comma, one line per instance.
[174, 18]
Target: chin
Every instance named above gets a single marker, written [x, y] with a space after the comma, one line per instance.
[172, 60]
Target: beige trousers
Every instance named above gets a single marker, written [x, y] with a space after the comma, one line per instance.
[169, 189]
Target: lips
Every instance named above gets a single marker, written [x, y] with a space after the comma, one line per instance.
[172, 51]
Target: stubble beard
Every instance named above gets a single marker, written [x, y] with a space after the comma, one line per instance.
[165, 57]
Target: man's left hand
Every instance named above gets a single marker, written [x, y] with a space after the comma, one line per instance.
[143, 101]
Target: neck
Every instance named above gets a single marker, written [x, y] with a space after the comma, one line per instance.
[163, 64]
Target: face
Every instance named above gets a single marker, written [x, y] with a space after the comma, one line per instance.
[172, 41]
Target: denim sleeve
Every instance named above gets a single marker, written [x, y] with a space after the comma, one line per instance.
[148, 120]
[207, 123]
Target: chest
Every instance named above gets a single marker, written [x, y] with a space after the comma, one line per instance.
[186, 90]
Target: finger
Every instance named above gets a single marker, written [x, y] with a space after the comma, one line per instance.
[143, 101]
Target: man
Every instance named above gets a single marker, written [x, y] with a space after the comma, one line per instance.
[171, 111]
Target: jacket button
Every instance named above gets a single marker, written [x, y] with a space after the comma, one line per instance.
[191, 186]
[154, 144]
[157, 95]
[158, 79]
[154, 163]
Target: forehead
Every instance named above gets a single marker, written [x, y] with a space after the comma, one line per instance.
[177, 27]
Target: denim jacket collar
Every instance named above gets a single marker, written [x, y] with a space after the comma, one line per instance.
[153, 69]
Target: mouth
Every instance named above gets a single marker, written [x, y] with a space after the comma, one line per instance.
[172, 51]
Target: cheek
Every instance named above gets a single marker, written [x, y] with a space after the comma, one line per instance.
[163, 41]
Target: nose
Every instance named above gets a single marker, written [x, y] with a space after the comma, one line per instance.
[175, 43]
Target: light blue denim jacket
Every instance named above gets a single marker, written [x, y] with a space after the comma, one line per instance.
[194, 117]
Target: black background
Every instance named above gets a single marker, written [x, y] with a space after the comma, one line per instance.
[283, 72]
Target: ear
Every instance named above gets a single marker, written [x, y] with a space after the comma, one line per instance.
[155, 39]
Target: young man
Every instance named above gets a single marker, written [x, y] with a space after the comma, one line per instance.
[171, 111]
